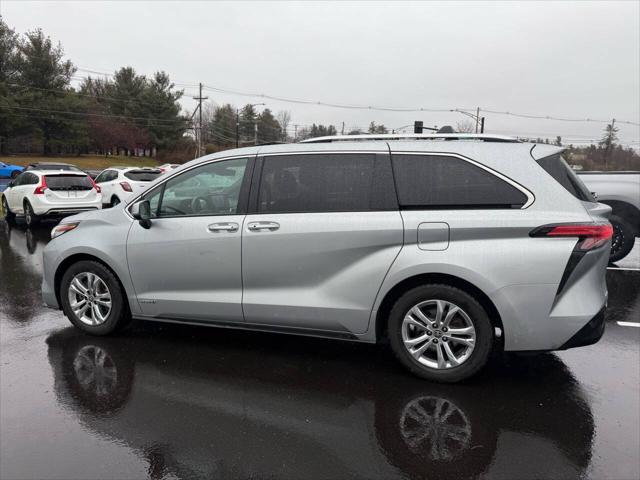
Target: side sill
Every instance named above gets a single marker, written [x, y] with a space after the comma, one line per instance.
[255, 327]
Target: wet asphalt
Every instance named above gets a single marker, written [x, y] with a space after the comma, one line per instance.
[164, 401]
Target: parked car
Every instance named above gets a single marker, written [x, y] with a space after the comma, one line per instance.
[36, 194]
[10, 171]
[50, 166]
[447, 249]
[167, 167]
[120, 183]
[621, 191]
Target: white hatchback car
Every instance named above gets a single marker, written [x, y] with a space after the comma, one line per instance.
[120, 183]
[35, 194]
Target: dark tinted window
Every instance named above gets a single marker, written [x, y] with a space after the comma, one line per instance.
[68, 182]
[318, 183]
[53, 166]
[142, 175]
[22, 179]
[564, 175]
[434, 181]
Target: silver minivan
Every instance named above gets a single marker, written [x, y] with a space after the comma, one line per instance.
[448, 247]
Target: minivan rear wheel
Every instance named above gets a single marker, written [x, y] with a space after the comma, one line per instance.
[440, 333]
[92, 299]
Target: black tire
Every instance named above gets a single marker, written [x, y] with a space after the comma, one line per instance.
[477, 315]
[15, 174]
[623, 238]
[114, 201]
[30, 218]
[119, 315]
[9, 216]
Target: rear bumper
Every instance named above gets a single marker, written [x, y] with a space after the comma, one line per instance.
[62, 212]
[43, 207]
[589, 334]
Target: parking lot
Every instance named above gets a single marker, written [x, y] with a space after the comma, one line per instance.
[163, 401]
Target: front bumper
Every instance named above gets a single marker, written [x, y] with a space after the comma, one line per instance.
[589, 334]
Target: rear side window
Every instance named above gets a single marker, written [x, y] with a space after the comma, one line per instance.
[324, 183]
[68, 182]
[142, 175]
[555, 166]
[436, 181]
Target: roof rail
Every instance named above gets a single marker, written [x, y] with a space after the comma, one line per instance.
[414, 136]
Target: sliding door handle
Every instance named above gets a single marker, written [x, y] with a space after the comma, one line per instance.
[223, 227]
[257, 226]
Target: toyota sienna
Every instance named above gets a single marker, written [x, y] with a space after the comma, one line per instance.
[448, 247]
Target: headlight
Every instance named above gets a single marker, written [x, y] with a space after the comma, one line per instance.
[63, 228]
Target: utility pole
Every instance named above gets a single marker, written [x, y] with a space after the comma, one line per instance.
[255, 133]
[295, 133]
[477, 118]
[342, 131]
[199, 130]
[237, 126]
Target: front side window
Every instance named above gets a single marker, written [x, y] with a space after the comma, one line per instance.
[103, 177]
[317, 183]
[438, 181]
[21, 180]
[212, 189]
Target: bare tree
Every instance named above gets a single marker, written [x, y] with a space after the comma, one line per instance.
[284, 119]
[466, 126]
[208, 114]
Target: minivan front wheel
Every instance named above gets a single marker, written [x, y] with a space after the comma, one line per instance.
[92, 299]
[440, 333]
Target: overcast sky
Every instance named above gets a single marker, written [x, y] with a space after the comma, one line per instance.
[579, 60]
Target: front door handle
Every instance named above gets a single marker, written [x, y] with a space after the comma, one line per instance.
[223, 227]
[257, 226]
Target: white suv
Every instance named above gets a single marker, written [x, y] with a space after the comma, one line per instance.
[120, 183]
[50, 193]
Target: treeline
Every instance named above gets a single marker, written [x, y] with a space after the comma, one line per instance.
[40, 112]
[608, 154]
[131, 114]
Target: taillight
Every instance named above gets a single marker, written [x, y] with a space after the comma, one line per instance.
[95, 185]
[590, 235]
[126, 187]
[42, 187]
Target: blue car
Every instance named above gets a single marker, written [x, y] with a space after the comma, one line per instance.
[9, 171]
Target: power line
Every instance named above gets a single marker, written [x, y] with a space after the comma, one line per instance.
[383, 108]
[66, 112]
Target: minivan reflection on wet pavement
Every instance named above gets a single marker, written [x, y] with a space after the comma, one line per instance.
[169, 401]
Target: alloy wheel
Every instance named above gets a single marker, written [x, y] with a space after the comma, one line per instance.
[28, 214]
[438, 334]
[89, 298]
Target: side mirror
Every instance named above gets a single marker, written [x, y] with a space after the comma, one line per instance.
[595, 195]
[141, 211]
[10, 184]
